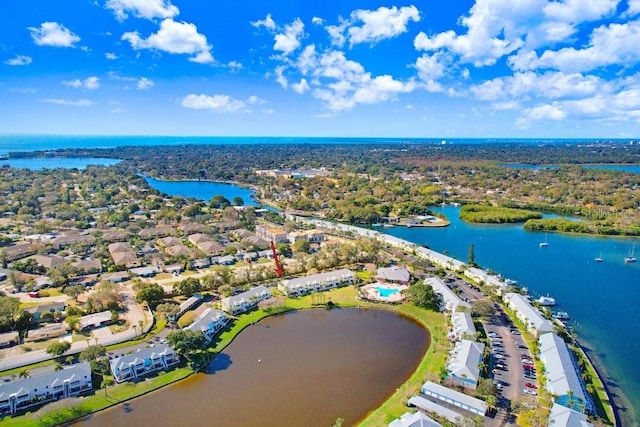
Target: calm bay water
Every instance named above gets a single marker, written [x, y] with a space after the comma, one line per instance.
[602, 298]
[203, 190]
[57, 162]
[616, 168]
[299, 369]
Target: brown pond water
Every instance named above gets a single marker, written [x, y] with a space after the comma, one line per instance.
[303, 368]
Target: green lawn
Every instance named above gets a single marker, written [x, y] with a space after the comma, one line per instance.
[429, 367]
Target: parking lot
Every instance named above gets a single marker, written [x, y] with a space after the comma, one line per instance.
[511, 363]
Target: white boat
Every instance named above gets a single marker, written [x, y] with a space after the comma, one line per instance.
[631, 257]
[545, 243]
[387, 225]
[599, 258]
[562, 315]
[546, 301]
[510, 282]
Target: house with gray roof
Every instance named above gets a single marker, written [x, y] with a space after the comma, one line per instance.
[246, 300]
[455, 398]
[22, 394]
[393, 275]
[461, 326]
[132, 366]
[96, 320]
[210, 322]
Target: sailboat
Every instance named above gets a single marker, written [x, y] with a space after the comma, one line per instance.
[631, 257]
[545, 243]
[599, 258]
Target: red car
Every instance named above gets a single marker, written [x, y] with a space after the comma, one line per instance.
[530, 385]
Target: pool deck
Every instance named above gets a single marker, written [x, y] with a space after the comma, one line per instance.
[374, 295]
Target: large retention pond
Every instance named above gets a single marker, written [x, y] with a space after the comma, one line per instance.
[303, 368]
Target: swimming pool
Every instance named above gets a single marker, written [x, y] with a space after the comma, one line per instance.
[386, 292]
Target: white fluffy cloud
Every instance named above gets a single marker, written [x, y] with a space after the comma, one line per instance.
[90, 83]
[372, 26]
[255, 100]
[634, 7]
[267, 23]
[540, 112]
[615, 44]
[69, 102]
[217, 103]
[53, 34]
[111, 56]
[176, 38]
[19, 60]
[301, 87]
[289, 40]
[380, 24]
[496, 28]
[147, 9]
[144, 83]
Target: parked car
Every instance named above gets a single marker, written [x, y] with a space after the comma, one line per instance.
[530, 391]
[530, 385]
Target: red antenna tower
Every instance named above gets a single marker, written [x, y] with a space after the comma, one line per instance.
[279, 269]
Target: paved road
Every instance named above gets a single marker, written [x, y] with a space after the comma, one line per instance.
[134, 314]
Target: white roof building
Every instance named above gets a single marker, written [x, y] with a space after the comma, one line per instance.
[417, 419]
[96, 319]
[209, 323]
[441, 260]
[528, 314]
[455, 398]
[561, 416]
[316, 282]
[563, 380]
[463, 363]
[461, 326]
[246, 300]
[480, 275]
[450, 301]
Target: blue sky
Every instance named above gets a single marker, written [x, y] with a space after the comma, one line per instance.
[483, 68]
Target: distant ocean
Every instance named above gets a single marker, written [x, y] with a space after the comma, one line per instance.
[9, 143]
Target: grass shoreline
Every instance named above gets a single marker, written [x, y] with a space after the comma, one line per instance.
[345, 297]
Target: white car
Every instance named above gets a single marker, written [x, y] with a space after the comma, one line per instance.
[530, 391]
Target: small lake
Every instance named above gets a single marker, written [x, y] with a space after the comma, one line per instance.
[303, 368]
[40, 163]
[617, 168]
[202, 190]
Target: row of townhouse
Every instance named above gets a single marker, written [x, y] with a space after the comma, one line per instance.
[245, 301]
[317, 282]
[22, 394]
[210, 322]
[130, 367]
[449, 301]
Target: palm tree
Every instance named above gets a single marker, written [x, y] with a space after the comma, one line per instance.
[24, 374]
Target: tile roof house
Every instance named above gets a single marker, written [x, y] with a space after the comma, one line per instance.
[143, 362]
[22, 394]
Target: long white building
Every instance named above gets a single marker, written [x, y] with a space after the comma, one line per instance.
[563, 380]
[534, 321]
[461, 326]
[450, 301]
[210, 322]
[245, 301]
[317, 282]
[135, 365]
[21, 394]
